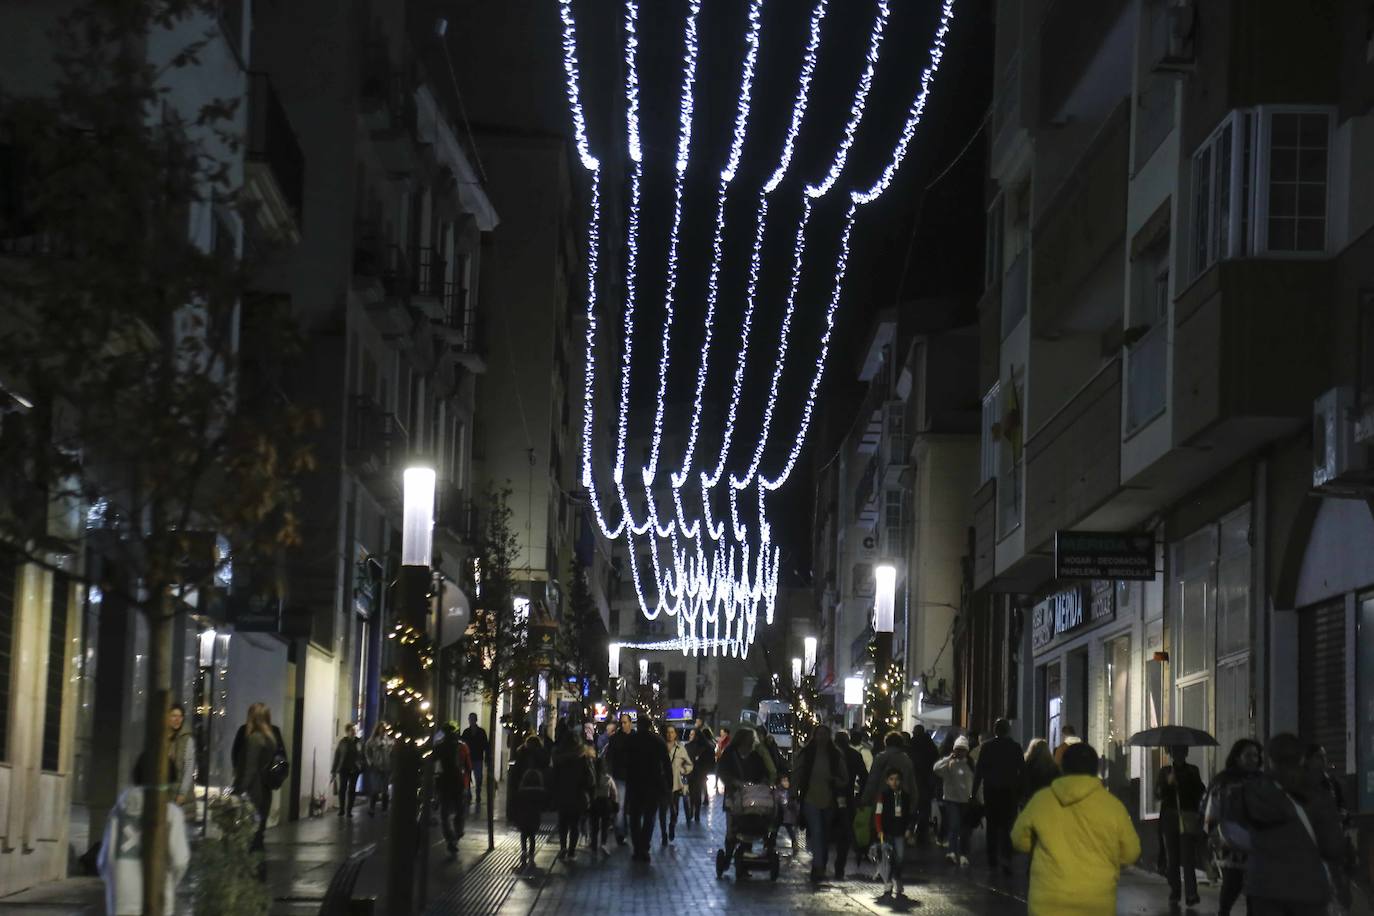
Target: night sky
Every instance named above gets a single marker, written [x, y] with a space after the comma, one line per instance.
[516, 83]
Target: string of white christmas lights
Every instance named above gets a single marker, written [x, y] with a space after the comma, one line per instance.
[727, 175]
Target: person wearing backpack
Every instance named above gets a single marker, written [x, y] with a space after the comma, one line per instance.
[1221, 811]
[605, 802]
[255, 772]
[348, 763]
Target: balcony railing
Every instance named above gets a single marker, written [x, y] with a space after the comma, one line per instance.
[272, 141]
[457, 513]
[866, 493]
[1014, 290]
[1147, 364]
[428, 270]
[376, 439]
[1009, 486]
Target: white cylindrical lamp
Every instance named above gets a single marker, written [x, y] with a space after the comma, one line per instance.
[884, 602]
[809, 656]
[417, 524]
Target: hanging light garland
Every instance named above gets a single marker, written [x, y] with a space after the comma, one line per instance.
[714, 584]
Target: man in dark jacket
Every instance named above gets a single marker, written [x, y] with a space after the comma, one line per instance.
[824, 785]
[452, 774]
[617, 761]
[648, 779]
[858, 779]
[1295, 838]
[479, 746]
[924, 753]
[894, 756]
[999, 769]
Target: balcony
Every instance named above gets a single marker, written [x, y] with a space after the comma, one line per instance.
[457, 515]
[866, 493]
[463, 328]
[984, 533]
[427, 281]
[1014, 290]
[387, 109]
[274, 166]
[1235, 328]
[1073, 461]
[1147, 381]
[377, 442]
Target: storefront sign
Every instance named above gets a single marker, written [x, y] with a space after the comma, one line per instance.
[1104, 555]
[1069, 610]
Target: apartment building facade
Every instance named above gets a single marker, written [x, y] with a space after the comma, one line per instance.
[1171, 345]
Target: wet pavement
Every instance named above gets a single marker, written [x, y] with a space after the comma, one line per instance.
[303, 856]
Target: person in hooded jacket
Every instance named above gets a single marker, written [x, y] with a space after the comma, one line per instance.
[1296, 847]
[574, 781]
[1082, 836]
[823, 784]
[956, 773]
[894, 755]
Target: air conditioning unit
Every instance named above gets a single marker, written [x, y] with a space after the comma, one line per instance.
[1340, 465]
[1172, 37]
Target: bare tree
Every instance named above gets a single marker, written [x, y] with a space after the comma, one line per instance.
[128, 413]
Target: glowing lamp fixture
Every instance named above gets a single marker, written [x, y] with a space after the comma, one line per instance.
[417, 526]
[613, 662]
[643, 670]
[796, 671]
[854, 691]
[886, 576]
[809, 655]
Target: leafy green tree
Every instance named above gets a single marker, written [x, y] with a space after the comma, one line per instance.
[127, 411]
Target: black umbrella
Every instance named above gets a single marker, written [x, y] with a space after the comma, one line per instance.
[1172, 736]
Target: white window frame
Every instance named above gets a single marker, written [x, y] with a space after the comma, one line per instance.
[989, 446]
[1247, 187]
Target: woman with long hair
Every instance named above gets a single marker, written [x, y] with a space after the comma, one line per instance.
[1223, 805]
[1040, 770]
[378, 750]
[250, 770]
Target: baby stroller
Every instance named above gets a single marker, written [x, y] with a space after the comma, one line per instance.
[752, 817]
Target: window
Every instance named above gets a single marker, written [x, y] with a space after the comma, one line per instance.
[1009, 479]
[894, 518]
[57, 673]
[1259, 185]
[1118, 696]
[990, 443]
[9, 595]
[677, 685]
[992, 261]
[1233, 585]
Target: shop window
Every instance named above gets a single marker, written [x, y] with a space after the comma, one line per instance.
[1233, 585]
[1118, 675]
[9, 594]
[1054, 704]
[1233, 703]
[1154, 717]
[1193, 712]
[57, 673]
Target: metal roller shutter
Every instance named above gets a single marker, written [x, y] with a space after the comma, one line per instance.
[1322, 715]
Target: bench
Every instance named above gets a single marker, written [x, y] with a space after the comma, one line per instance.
[338, 899]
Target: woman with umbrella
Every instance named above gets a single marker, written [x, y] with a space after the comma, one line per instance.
[1179, 790]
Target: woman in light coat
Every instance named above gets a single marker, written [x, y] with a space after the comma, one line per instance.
[680, 764]
[956, 773]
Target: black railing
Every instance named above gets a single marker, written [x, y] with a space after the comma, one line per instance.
[428, 273]
[375, 436]
[272, 141]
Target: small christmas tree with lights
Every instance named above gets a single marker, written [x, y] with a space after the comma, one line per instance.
[883, 695]
[806, 711]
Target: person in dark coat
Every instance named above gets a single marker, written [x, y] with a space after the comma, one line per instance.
[1295, 838]
[1180, 790]
[258, 748]
[702, 750]
[648, 780]
[574, 780]
[924, 753]
[858, 779]
[1040, 770]
[529, 756]
[1224, 806]
[348, 763]
[999, 771]
[824, 785]
[617, 761]
[479, 746]
[452, 775]
[527, 808]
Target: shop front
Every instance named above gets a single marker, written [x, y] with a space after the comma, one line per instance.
[1089, 661]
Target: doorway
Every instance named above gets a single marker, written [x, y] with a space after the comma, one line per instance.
[1076, 692]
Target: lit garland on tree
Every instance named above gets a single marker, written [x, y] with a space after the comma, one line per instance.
[416, 641]
[806, 712]
[883, 696]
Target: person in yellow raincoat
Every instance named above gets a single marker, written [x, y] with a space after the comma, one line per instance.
[1080, 837]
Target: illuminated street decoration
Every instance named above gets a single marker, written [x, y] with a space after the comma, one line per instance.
[713, 574]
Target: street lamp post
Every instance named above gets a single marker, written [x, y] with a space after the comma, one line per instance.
[884, 601]
[410, 688]
[809, 656]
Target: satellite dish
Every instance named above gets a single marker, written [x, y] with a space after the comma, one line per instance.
[455, 613]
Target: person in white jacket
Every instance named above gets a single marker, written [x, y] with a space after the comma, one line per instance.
[956, 773]
[680, 763]
[121, 855]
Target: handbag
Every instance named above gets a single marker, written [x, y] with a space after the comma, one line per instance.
[275, 773]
